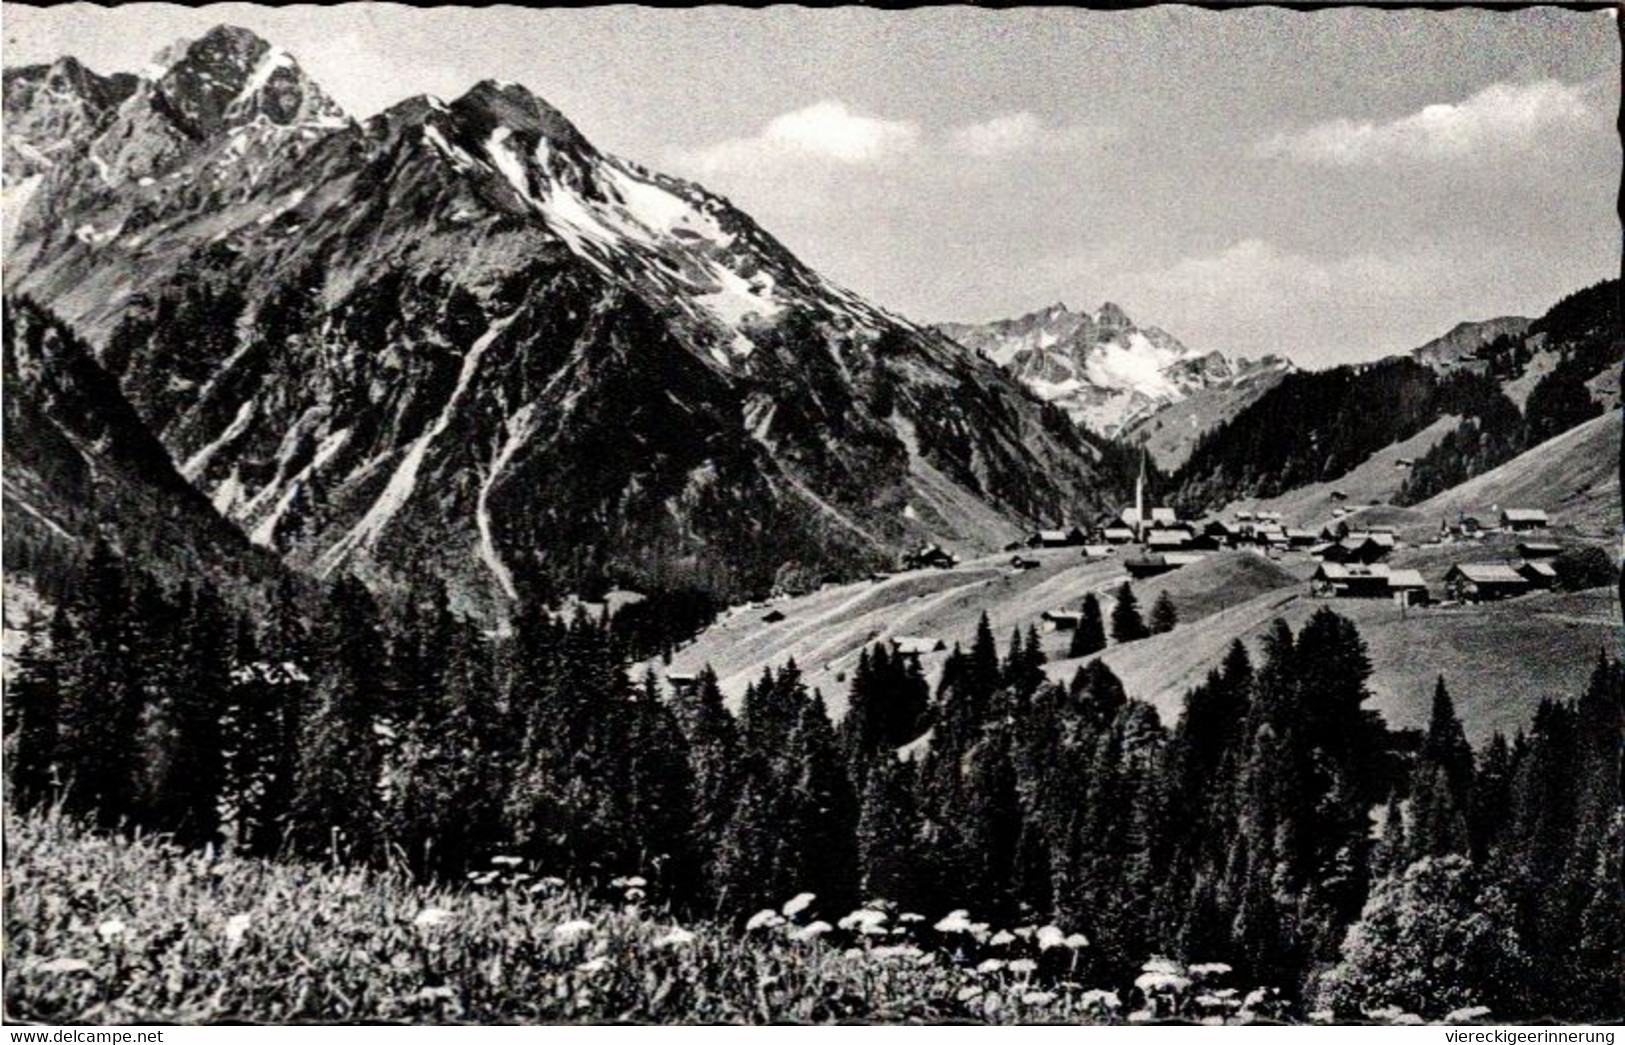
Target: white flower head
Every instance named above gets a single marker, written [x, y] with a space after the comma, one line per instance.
[573, 929]
[810, 931]
[1050, 936]
[237, 927]
[1023, 966]
[432, 917]
[1203, 970]
[598, 964]
[677, 937]
[969, 993]
[1002, 938]
[864, 919]
[1038, 997]
[798, 903]
[954, 922]
[989, 966]
[112, 929]
[64, 965]
[1076, 941]
[766, 918]
[506, 861]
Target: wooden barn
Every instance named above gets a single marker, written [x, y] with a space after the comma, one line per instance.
[1521, 520]
[1484, 582]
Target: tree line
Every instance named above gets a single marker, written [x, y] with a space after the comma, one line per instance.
[1243, 834]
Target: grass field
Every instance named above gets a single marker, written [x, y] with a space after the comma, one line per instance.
[109, 930]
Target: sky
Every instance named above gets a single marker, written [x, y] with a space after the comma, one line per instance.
[1330, 186]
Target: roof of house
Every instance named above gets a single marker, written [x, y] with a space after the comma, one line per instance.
[1181, 558]
[1167, 538]
[1406, 579]
[1163, 515]
[1053, 535]
[1487, 573]
[917, 644]
[1130, 515]
[1544, 569]
[1061, 615]
[1524, 515]
[1539, 546]
[1096, 549]
[1297, 534]
[1339, 571]
[1118, 531]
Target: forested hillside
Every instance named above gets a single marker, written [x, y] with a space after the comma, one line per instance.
[1238, 834]
[1315, 426]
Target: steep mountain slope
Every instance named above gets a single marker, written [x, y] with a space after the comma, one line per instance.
[1573, 476]
[1106, 372]
[1171, 432]
[458, 341]
[79, 464]
[1464, 341]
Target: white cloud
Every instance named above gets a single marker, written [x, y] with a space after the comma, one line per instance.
[1501, 116]
[1022, 132]
[1011, 132]
[826, 131]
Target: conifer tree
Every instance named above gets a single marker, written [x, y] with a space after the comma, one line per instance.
[33, 703]
[1164, 617]
[1090, 637]
[1126, 623]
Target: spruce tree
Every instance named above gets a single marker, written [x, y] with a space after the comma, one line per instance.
[33, 704]
[1126, 623]
[1091, 634]
[1164, 616]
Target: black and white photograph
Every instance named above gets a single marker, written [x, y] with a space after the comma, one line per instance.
[820, 516]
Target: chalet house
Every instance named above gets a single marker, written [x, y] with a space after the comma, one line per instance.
[1168, 540]
[1402, 462]
[1299, 538]
[1539, 549]
[1541, 576]
[1408, 588]
[1056, 538]
[1097, 551]
[1164, 518]
[1339, 495]
[1061, 620]
[1522, 519]
[1148, 566]
[1350, 581]
[1244, 517]
[1365, 547]
[914, 647]
[1117, 535]
[1129, 517]
[1018, 563]
[1220, 530]
[1482, 582]
[683, 684]
[932, 555]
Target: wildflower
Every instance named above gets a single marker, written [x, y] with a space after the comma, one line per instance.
[1163, 966]
[798, 903]
[1038, 997]
[432, 917]
[1002, 938]
[896, 950]
[1100, 1001]
[1210, 969]
[598, 964]
[440, 993]
[1025, 931]
[990, 966]
[766, 918]
[677, 937]
[110, 930]
[572, 929]
[910, 917]
[506, 861]
[1161, 983]
[1050, 936]
[978, 930]
[237, 927]
[954, 922]
[863, 920]
[64, 965]
[1409, 1019]
[1476, 1012]
[811, 931]
[634, 894]
[1076, 941]
[1023, 966]
[1322, 1016]
[637, 881]
[969, 993]
[1255, 998]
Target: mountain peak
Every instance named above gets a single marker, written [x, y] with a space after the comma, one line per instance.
[230, 76]
[503, 103]
[1111, 315]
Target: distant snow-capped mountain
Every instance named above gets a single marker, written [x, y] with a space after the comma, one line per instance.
[1106, 372]
[457, 341]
